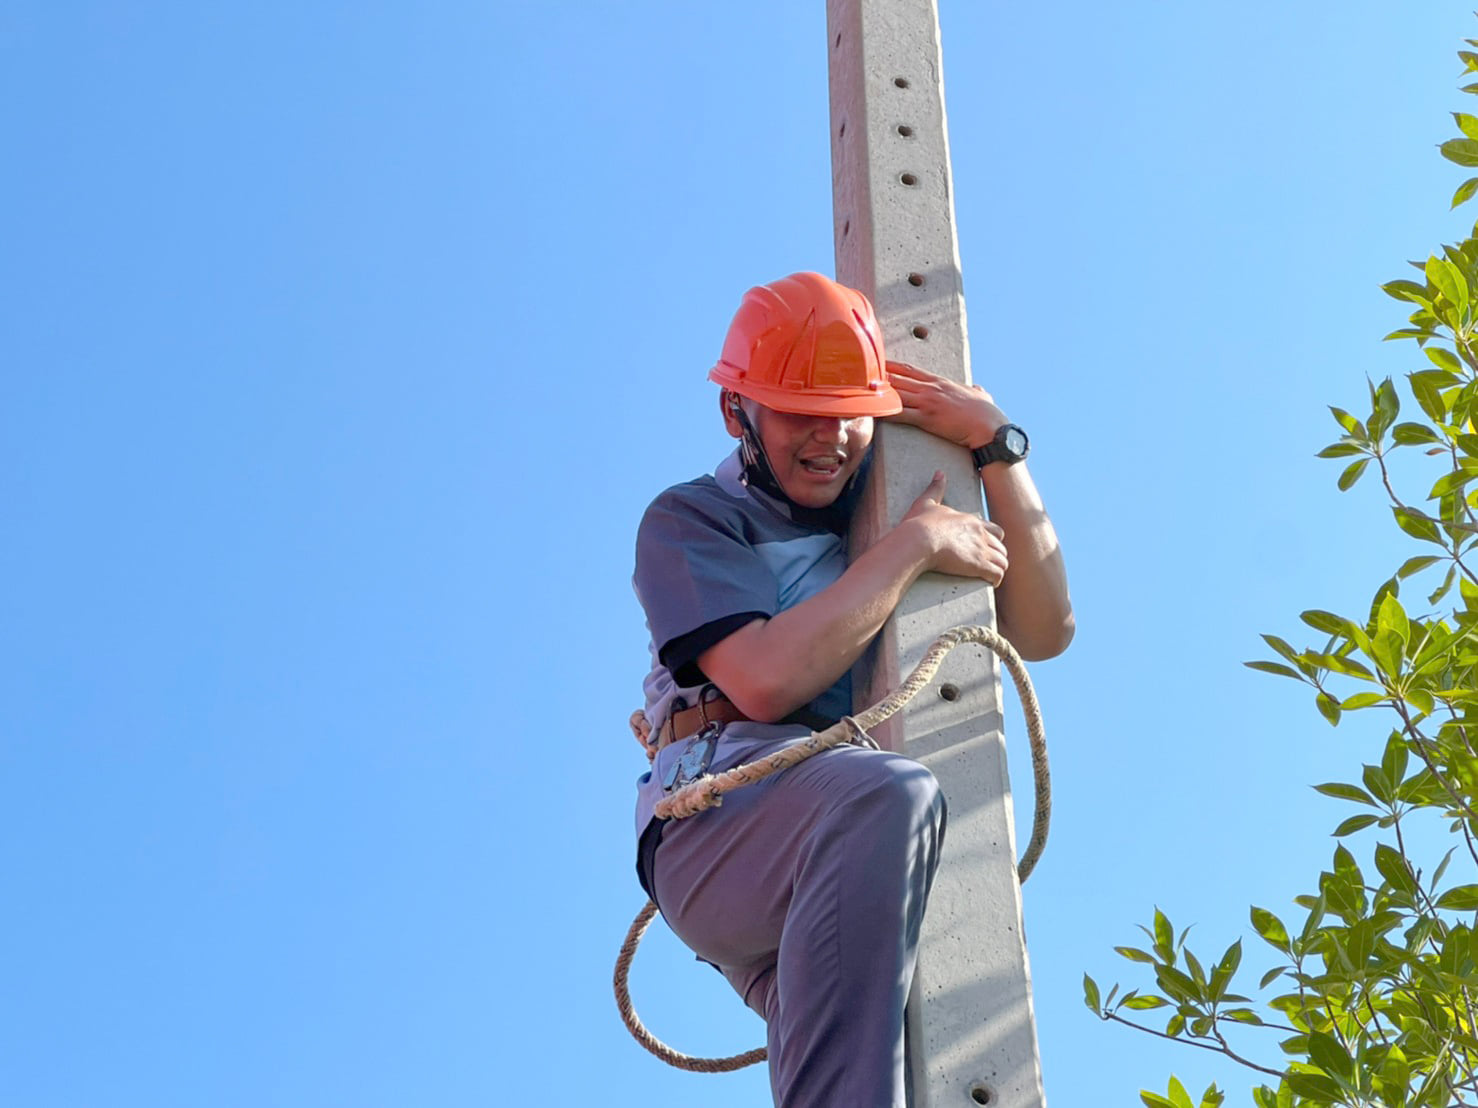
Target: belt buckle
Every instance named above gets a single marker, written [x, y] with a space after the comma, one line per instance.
[695, 759]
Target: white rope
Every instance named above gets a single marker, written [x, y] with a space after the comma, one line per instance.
[708, 791]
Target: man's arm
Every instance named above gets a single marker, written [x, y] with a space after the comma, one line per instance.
[771, 667]
[1032, 605]
[1033, 609]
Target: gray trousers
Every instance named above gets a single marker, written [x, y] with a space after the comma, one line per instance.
[807, 890]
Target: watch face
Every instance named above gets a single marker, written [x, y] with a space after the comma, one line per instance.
[1015, 441]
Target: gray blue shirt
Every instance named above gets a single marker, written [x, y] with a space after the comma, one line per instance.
[711, 556]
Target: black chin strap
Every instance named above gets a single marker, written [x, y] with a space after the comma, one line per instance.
[836, 517]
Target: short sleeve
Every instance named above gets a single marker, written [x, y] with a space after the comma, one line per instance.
[699, 579]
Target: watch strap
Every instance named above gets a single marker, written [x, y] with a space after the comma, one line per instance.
[997, 449]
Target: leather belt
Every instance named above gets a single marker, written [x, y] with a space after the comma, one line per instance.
[689, 721]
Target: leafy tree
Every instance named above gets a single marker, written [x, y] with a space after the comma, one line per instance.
[1375, 997]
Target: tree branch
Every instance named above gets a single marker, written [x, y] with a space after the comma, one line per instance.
[1223, 1049]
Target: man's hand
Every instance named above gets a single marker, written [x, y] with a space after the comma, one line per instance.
[962, 414]
[958, 542]
[641, 731]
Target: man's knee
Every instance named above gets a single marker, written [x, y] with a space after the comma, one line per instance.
[899, 794]
[909, 787]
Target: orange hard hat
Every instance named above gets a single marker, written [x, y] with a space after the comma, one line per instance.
[807, 345]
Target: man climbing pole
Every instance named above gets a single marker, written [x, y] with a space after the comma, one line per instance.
[807, 889]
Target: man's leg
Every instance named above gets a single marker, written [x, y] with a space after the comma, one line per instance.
[808, 891]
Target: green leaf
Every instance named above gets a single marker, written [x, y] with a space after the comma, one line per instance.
[1134, 954]
[1164, 937]
[1417, 526]
[1409, 291]
[1270, 927]
[1386, 649]
[1352, 474]
[1462, 151]
[1467, 124]
[1280, 646]
[1392, 617]
[1198, 975]
[1395, 758]
[1428, 393]
[1445, 276]
[1328, 707]
[1417, 564]
[1230, 960]
[1341, 791]
[1350, 424]
[1243, 1015]
[1460, 898]
[1177, 984]
[1343, 449]
[1464, 191]
[1443, 358]
[1144, 1003]
[1449, 482]
[1327, 622]
[1380, 788]
[1330, 1055]
[1442, 589]
[1407, 434]
[1274, 667]
[1355, 823]
[1392, 867]
[1387, 403]
[1155, 1100]
[1090, 995]
[1338, 663]
[1314, 1087]
[1362, 700]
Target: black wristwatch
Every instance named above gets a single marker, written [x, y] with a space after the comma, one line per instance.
[1010, 446]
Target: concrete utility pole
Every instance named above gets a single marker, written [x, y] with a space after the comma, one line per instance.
[971, 1034]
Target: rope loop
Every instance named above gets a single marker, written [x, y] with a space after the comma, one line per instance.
[708, 792]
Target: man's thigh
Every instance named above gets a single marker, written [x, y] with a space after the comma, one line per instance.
[725, 877]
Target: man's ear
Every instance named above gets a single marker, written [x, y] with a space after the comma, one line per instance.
[728, 404]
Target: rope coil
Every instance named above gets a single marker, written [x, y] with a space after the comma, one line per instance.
[708, 791]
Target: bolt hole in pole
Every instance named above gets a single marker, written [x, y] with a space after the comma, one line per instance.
[980, 1094]
[905, 130]
[948, 691]
[842, 130]
[916, 280]
[901, 82]
[846, 226]
[920, 331]
[909, 179]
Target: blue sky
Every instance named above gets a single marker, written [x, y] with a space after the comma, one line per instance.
[343, 346]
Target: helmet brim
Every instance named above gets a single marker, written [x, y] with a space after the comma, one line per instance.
[837, 403]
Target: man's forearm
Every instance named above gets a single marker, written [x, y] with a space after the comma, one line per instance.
[771, 667]
[1032, 605]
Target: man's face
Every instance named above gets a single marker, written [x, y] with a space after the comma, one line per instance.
[813, 456]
